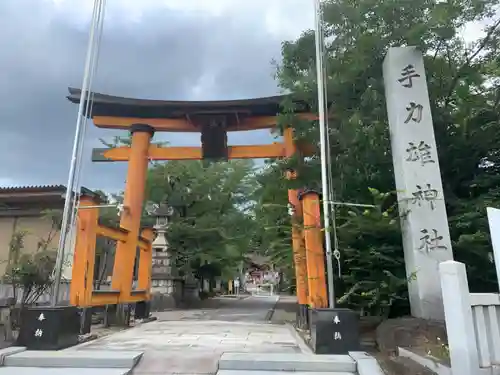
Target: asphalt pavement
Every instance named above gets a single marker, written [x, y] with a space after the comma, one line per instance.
[229, 309]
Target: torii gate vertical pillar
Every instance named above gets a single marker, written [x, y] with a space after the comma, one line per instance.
[315, 255]
[333, 330]
[132, 208]
[299, 251]
[299, 255]
[84, 259]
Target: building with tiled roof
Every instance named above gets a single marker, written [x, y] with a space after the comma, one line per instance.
[24, 208]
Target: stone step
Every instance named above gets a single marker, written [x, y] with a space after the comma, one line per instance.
[75, 359]
[244, 372]
[292, 362]
[62, 371]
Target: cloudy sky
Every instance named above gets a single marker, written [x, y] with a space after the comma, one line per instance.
[161, 49]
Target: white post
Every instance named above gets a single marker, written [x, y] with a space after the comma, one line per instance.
[494, 222]
[325, 189]
[459, 322]
[424, 223]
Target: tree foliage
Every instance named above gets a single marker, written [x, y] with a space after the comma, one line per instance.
[217, 222]
[211, 222]
[465, 95]
[273, 231]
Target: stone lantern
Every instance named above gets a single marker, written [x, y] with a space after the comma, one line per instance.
[162, 278]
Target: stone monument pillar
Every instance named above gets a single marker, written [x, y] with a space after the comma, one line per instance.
[424, 223]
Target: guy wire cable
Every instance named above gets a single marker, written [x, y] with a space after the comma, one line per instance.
[68, 229]
[81, 165]
[88, 107]
[90, 100]
[88, 114]
[77, 149]
[97, 12]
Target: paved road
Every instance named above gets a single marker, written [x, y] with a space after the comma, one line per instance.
[192, 341]
[250, 309]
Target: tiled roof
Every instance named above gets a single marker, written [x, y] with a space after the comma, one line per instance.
[32, 188]
[41, 189]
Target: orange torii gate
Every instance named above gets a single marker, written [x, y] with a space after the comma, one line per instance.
[213, 119]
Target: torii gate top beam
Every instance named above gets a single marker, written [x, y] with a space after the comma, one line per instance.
[188, 116]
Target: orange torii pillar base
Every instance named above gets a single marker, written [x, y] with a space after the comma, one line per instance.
[333, 330]
[315, 255]
[299, 257]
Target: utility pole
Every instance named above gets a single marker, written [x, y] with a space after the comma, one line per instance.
[324, 166]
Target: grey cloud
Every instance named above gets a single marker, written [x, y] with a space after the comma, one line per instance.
[164, 55]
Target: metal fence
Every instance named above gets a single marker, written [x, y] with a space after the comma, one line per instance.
[7, 292]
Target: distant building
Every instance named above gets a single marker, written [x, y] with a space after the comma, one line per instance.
[25, 209]
[259, 271]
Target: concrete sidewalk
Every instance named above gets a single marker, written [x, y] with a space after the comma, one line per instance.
[192, 341]
[235, 338]
[209, 336]
[285, 310]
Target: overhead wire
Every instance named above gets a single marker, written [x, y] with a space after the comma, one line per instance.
[68, 217]
[88, 114]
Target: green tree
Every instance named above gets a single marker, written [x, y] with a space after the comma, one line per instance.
[212, 222]
[464, 92]
[272, 236]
